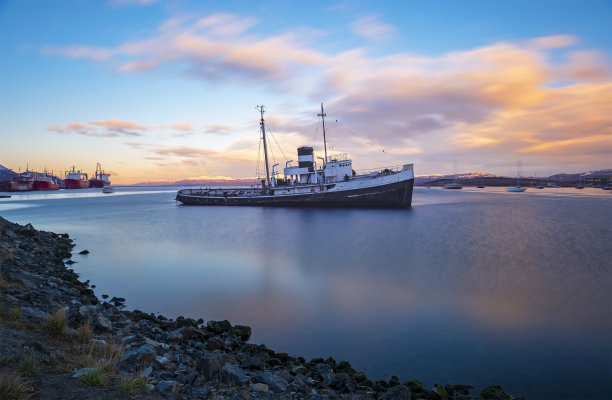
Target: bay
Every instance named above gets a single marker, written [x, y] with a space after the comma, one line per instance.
[477, 286]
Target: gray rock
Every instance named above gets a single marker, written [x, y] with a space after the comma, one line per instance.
[257, 361]
[259, 387]
[326, 372]
[232, 375]
[132, 358]
[161, 360]
[209, 364]
[345, 383]
[33, 314]
[275, 382]
[299, 369]
[215, 343]
[101, 323]
[242, 331]
[167, 388]
[399, 392]
[494, 393]
[175, 336]
[219, 326]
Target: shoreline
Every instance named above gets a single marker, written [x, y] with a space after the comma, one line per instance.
[57, 334]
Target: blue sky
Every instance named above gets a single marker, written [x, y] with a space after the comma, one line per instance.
[161, 90]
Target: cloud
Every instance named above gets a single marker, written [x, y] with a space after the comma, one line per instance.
[189, 152]
[217, 46]
[372, 28]
[218, 129]
[553, 42]
[116, 128]
[533, 98]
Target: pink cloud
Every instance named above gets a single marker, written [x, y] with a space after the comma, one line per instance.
[373, 28]
[553, 42]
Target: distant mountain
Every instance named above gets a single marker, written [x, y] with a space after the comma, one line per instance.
[476, 178]
[6, 174]
[465, 175]
[200, 182]
[582, 175]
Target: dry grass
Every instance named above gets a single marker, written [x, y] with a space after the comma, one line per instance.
[56, 324]
[14, 387]
[84, 333]
[15, 314]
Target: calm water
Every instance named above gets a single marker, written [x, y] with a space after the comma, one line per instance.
[475, 286]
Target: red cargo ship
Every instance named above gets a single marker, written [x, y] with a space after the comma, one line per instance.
[46, 182]
[76, 180]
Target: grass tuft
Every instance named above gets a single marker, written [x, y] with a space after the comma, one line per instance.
[128, 384]
[14, 387]
[28, 367]
[94, 377]
[56, 324]
[15, 314]
[84, 333]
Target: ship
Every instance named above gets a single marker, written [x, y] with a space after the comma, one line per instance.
[23, 182]
[332, 183]
[45, 181]
[76, 179]
[100, 179]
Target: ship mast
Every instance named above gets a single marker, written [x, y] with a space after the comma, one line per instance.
[322, 115]
[263, 134]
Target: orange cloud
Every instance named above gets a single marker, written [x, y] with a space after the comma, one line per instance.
[114, 124]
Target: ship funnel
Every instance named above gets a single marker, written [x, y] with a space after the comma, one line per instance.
[305, 157]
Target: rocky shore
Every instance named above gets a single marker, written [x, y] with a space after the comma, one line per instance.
[59, 341]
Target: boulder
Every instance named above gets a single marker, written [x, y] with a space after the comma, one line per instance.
[232, 375]
[327, 373]
[494, 393]
[219, 327]
[243, 332]
[133, 358]
[167, 388]
[215, 343]
[101, 323]
[257, 361]
[274, 382]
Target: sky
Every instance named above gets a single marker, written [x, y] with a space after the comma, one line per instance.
[157, 90]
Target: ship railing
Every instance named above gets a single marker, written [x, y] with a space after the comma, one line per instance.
[380, 170]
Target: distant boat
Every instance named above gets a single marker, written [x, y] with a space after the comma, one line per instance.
[108, 189]
[518, 187]
[100, 179]
[452, 185]
[605, 187]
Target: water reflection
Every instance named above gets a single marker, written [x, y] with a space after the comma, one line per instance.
[475, 287]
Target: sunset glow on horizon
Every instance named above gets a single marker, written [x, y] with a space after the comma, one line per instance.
[166, 90]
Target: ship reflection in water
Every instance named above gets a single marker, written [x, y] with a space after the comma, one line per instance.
[478, 287]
